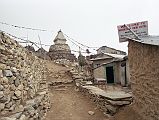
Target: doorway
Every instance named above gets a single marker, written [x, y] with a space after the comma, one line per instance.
[110, 74]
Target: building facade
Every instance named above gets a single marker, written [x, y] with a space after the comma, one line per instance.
[111, 67]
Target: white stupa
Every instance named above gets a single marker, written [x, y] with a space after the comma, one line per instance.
[60, 49]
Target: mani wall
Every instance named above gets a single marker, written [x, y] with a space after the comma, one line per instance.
[23, 89]
[144, 71]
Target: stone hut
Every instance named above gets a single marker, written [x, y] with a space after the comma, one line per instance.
[144, 69]
[60, 50]
[109, 68]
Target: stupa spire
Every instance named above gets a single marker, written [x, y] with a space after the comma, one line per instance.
[60, 38]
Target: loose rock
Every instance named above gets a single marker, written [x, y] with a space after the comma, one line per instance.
[2, 105]
[1, 74]
[1, 87]
[18, 93]
[91, 113]
[8, 73]
[1, 94]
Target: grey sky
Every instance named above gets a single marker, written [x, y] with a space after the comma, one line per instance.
[91, 22]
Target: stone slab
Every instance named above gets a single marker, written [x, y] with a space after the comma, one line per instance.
[112, 95]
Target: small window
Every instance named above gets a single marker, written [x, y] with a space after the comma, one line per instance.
[97, 65]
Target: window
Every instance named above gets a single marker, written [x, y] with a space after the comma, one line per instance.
[97, 65]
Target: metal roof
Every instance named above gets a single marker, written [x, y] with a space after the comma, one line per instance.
[115, 55]
[110, 48]
[120, 57]
[151, 40]
[116, 60]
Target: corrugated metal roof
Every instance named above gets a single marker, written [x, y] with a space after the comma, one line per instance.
[101, 58]
[115, 55]
[151, 40]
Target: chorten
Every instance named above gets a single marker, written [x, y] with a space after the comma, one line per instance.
[60, 49]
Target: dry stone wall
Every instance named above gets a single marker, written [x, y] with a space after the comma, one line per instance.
[144, 71]
[23, 89]
[103, 99]
[106, 104]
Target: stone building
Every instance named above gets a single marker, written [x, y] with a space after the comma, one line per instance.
[144, 69]
[60, 50]
[111, 68]
[106, 49]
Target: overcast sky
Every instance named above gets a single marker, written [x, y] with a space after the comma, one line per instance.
[91, 22]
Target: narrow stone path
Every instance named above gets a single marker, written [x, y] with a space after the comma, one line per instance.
[68, 104]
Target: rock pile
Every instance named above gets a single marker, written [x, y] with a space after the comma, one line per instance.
[80, 78]
[23, 89]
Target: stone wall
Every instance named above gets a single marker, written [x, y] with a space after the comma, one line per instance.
[23, 89]
[108, 101]
[103, 100]
[100, 71]
[61, 55]
[144, 71]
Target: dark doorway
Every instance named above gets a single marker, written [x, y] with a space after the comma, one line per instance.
[110, 74]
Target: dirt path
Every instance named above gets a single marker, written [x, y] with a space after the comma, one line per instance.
[68, 104]
[56, 72]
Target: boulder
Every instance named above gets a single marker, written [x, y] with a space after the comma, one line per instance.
[1, 94]
[1, 74]
[20, 87]
[91, 112]
[5, 99]
[13, 69]
[2, 66]
[17, 82]
[18, 109]
[8, 105]
[1, 87]
[4, 80]
[7, 118]
[16, 115]
[23, 117]
[18, 93]
[2, 105]
[8, 73]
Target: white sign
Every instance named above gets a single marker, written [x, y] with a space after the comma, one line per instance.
[139, 28]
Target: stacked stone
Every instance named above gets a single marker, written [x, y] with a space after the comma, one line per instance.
[80, 78]
[60, 50]
[106, 104]
[23, 91]
[42, 53]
